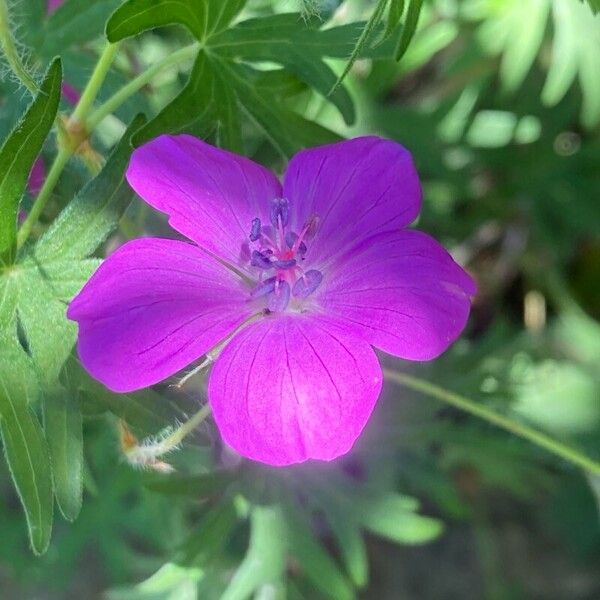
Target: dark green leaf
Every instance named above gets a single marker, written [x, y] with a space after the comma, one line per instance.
[63, 427]
[24, 444]
[209, 535]
[410, 26]
[292, 42]
[201, 17]
[19, 152]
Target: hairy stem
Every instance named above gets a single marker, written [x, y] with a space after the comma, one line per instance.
[7, 43]
[542, 440]
[66, 150]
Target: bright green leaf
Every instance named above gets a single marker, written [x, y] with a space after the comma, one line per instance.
[392, 517]
[410, 26]
[19, 152]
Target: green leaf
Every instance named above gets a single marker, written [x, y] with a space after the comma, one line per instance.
[212, 98]
[316, 563]
[410, 26]
[292, 42]
[594, 5]
[209, 535]
[392, 517]
[63, 427]
[19, 152]
[351, 546]
[575, 49]
[201, 17]
[264, 563]
[25, 448]
[74, 22]
[394, 16]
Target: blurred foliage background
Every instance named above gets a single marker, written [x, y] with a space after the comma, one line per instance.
[499, 102]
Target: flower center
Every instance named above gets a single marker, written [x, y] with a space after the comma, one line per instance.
[277, 253]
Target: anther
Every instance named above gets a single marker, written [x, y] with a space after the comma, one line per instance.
[284, 264]
[280, 212]
[260, 260]
[255, 230]
[307, 284]
[263, 288]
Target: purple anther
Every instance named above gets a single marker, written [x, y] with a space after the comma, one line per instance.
[279, 298]
[284, 264]
[255, 229]
[307, 284]
[280, 210]
[260, 260]
[263, 288]
[291, 238]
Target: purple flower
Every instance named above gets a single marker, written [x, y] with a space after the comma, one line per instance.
[289, 286]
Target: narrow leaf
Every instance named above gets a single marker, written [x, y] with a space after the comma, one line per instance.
[410, 26]
[362, 41]
[63, 426]
[19, 152]
[394, 15]
[25, 448]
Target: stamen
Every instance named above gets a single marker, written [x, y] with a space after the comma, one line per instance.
[310, 227]
[280, 212]
[307, 284]
[261, 259]
[263, 288]
[291, 240]
[255, 230]
[279, 299]
[284, 264]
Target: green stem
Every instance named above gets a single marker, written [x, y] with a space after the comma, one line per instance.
[542, 440]
[137, 83]
[92, 88]
[11, 53]
[61, 159]
[66, 151]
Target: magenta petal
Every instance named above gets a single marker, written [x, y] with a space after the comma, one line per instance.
[210, 195]
[291, 388]
[152, 308]
[401, 292]
[357, 188]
